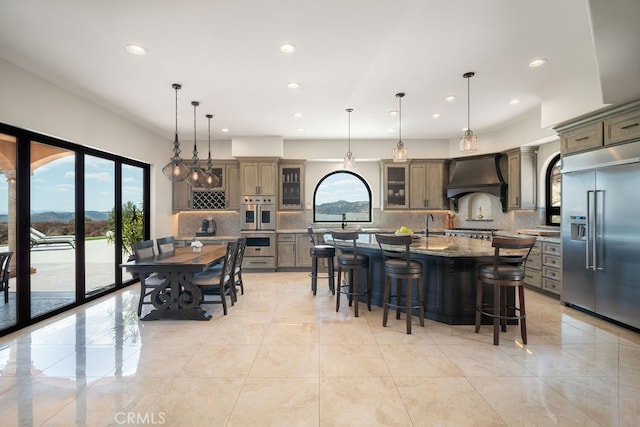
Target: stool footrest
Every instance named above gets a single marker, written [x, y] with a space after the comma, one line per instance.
[493, 316]
[322, 276]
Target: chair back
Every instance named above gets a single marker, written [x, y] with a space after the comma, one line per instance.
[166, 245]
[242, 244]
[346, 237]
[522, 246]
[229, 262]
[143, 249]
[5, 260]
[311, 238]
[394, 247]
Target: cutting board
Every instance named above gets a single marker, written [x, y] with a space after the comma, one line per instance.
[539, 232]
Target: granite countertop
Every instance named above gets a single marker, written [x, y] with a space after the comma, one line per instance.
[439, 246]
[215, 238]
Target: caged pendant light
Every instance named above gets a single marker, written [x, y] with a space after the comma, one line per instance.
[400, 151]
[210, 180]
[349, 159]
[469, 142]
[196, 174]
[176, 170]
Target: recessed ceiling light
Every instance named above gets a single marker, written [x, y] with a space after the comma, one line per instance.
[297, 115]
[435, 115]
[300, 129]
[287, 48]
[537, 62]
[293, 85]
[391, 130]
[225, 130]
[514, 101]
[136, 49]
[449, 98]
[393, 112]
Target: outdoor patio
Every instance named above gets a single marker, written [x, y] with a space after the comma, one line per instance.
[53, 283]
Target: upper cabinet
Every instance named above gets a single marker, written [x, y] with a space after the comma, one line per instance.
[258, 177]
[291, 175]
[225, 195]
[428, 180]
[611, 125]
[395, 185]
[521, 175]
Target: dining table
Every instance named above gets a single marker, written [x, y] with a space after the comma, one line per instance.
[178, 298]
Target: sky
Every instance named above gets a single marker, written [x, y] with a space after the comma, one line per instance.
[341, 186]
[53, 188]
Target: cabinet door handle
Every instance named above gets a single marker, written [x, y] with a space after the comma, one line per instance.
[582, 139]
[629, 126]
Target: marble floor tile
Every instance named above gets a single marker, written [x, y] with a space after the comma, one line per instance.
[285, 357]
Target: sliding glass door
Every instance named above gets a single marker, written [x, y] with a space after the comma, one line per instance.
[8, 313]
[52, 228]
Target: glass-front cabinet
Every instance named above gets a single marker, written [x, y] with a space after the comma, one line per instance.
[291, 175]
[395, 185]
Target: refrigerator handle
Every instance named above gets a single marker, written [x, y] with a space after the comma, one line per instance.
[598, 210]
[590, 230]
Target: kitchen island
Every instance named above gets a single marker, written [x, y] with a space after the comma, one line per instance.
[449, 280]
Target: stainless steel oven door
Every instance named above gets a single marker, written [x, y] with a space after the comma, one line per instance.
[260, 244]
[258, 213]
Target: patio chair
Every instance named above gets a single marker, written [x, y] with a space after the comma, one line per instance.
[5, 259]
[40, 239]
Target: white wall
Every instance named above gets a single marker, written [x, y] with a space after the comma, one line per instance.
[32, 103]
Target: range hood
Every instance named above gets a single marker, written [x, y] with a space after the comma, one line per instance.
[477, 174]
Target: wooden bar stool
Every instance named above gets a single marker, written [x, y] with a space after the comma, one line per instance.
[327, 252]
[507, 271]
[399, 266]
[351, 262]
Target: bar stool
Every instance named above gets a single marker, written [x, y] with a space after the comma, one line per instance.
[505, 272]
[351, 262]
[399, 266]
[321, 251]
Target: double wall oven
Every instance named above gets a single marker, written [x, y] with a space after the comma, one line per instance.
[258, 226]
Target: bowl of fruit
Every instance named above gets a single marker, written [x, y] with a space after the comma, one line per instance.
[404, 231]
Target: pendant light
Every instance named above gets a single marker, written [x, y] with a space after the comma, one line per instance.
[400, 152]
[196, 174]
[210, 179]
[349, 160]
[469, 142]
[176, 170]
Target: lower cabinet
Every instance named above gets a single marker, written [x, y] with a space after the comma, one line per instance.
[293, 250]
[543, 267]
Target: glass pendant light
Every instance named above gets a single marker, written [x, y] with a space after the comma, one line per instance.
[176, 170]
[349, 160]
[210, 179]
[400, 152]
[196, 174]
[469, 142]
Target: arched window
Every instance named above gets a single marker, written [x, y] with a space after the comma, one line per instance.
[342, 196]
[553, 184]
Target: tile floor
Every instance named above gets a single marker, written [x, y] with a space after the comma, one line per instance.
[285, 358]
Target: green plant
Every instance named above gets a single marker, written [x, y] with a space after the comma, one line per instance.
[132, 226]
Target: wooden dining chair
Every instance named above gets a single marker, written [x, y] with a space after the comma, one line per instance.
[218, 283]
[150, 282]
[166, 245]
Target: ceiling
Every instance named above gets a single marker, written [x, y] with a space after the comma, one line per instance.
[350, 53]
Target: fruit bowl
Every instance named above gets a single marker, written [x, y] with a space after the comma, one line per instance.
[401, 233]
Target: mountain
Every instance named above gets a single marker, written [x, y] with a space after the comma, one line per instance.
[341, 206]
[61, 216]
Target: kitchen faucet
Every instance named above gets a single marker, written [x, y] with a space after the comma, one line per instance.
[426, 227]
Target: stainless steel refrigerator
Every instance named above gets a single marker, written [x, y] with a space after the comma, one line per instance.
[601, 232]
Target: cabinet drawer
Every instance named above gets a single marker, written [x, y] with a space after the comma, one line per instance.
[551, 248]
[532, 277]
[551, 273]
[551, 261]
[583, 138]
[257, 263]
[625, 127]
[282, 237]
[535, 257]
[551, 285]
